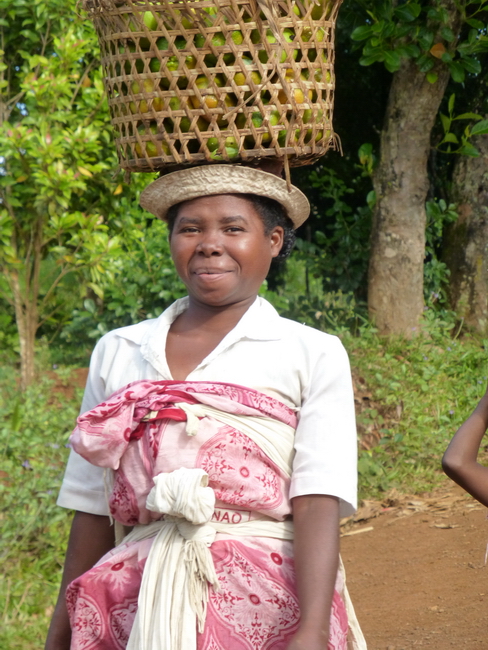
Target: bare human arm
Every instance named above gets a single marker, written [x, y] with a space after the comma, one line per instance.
[91, 537]
[460, 459]
[316, 551]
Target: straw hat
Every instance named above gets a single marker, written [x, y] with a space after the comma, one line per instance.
[208, 180]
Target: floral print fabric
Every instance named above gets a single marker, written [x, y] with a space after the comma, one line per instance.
[139, 433]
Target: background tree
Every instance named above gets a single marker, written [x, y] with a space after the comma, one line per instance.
[58, 191]
[422, 44]
[466, 248]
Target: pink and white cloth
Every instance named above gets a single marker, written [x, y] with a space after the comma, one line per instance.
[243, 441]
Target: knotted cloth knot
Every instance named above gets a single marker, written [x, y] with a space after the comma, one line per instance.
[193, 412]
[179, 567]
[183, 493]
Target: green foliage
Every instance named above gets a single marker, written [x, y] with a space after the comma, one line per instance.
[302, 297]
[142, 283]
[424, 388]
[9, 338]
[33, 433]
[55, 145]
[58, 188]
[421, 31]
[460, 143]
[436, 273]
[338, 252]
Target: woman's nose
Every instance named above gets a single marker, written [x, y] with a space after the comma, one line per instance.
[210, 244]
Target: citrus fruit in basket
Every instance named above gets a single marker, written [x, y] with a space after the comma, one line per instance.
[217, 40]
[320, 9]
[142, 106]
[231, 148]
[185, 124]
[288, 35]
[212, 144]
[308, 116]
[240, 78]
[258, 121]
[174, 104]
[149, 21]
[139, 63]
[149, 147]
[296, 92]
[211, 100]
[308, 32]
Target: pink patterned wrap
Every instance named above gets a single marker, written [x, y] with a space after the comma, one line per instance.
[140, 432]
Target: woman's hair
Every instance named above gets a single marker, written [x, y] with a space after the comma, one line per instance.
[272, 214]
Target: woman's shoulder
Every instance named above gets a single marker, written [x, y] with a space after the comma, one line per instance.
[296, 329]
[309, 335]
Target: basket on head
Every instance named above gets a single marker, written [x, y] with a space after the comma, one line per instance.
[200, 81]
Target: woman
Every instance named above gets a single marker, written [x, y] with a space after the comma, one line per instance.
[236, 422]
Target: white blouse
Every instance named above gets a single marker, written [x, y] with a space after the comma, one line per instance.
[306, 369]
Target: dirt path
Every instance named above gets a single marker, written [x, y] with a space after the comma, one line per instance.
[418, 578]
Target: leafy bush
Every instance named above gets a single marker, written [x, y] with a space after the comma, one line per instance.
[426, 388]
[141, 284]
[338, 250]
[33, 433]
[436, 273]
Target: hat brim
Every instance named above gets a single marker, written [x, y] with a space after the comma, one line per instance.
[209, 180]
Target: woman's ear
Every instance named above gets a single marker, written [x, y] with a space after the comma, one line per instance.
[276, 238]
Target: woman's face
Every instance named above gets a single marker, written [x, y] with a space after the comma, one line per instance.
[220, 249]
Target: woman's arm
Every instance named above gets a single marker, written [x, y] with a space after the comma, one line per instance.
[316, 551]
[459, 461]
[91, 537]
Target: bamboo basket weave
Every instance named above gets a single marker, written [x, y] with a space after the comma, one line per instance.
[201, 81]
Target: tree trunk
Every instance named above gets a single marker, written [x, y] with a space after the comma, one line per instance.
[26, 317]
[466, 252]
[25, 290]
[395, 280]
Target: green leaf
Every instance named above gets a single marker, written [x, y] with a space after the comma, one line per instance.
[408, 12]
[446, 122]
[468, 116]
[425, 63]
[369, 60]
[425, 39]
[481, 128]
[471, 65]
[432, 77]
[450, 137]
[477, 24]
[447, 34]
[469, 150]
[450, 104]
[392, 61]
[362, 33]
[457, 71]
[408, 51]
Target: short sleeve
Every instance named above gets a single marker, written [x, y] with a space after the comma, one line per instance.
[83, 483]
[326, 440]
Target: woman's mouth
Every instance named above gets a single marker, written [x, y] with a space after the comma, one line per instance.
[210, 274]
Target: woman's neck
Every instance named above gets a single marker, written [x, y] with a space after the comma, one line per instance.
[196, 332]
[215, 319]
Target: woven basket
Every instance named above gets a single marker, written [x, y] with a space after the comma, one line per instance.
[194, 82]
